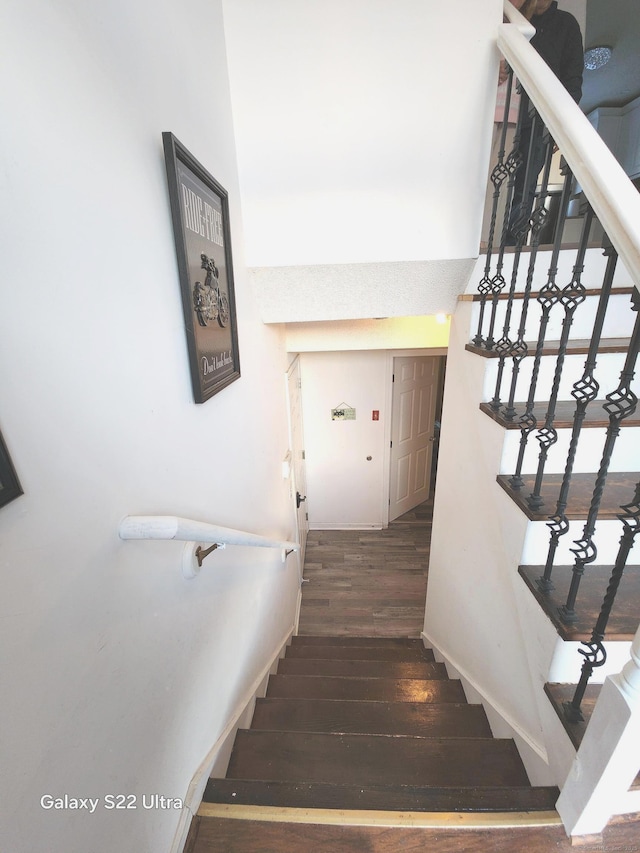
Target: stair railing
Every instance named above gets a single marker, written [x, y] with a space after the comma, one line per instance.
[172, 527]
[615, 203]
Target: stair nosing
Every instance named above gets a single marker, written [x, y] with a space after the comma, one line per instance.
[364, 817]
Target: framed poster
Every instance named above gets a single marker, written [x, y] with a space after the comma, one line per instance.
[200, 214]
[10, 487]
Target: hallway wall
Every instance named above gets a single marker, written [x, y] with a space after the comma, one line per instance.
[118, 675]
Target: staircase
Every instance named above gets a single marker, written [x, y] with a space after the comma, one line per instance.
[366, 744]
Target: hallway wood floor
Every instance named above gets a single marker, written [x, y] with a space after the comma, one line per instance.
[368, 583]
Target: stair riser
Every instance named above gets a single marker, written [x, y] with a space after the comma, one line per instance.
[361, 669]
[384, 798]
[415, 654]
[592, 277]
[618, 322]
[607, 538]
[607, 373]
[350, 642]
[589, 453]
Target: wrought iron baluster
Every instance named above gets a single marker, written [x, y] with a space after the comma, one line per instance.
[619, 405]
[519, 350]
[596, 654]
[504, 346]
[584, 391]
[498, 175]
[514, 165]
[571, 297]
[548, 297]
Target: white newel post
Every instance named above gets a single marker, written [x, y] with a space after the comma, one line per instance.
[608, 759]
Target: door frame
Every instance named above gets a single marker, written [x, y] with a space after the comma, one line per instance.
[427, 352]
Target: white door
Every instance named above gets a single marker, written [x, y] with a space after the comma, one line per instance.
[298, 474]
[415, 391]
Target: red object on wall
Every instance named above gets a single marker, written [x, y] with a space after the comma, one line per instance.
[375, 415]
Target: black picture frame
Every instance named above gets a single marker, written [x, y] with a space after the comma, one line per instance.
[10, 487]
[200, 215]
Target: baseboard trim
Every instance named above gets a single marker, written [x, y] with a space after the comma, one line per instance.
[193, 798]
[538, 748]
[347, 817]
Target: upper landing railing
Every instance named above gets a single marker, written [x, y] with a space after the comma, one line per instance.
[171, 527]
[607, 195]
[614, 199]
[607, 761]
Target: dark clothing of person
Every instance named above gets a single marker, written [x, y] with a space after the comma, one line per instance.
[558, 40]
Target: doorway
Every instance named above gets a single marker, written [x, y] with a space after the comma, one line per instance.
[416, 403]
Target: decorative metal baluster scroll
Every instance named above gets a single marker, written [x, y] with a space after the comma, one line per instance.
[596, 654]
[571, 297]
[584, 391]
[519, 349]
[499, 174]
[619, 405]
[548, 297]
[513, 164]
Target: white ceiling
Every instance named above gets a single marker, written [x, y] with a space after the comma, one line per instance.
[615, 23]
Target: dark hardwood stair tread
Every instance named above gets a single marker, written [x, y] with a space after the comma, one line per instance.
[362, 668]
[595, 417]
[383, 689]
[394, 718]
[334, 652]
[619, 489]
[579, 346]
[402, 642]
[623, 622]
[380, 759]
[380, 797]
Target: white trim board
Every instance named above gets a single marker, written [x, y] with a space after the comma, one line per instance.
[198, 783]
[537, 747]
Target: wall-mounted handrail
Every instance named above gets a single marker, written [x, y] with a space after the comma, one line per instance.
[168, 527]
[613, 197]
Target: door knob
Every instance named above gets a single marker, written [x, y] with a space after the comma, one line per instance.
[299, 499]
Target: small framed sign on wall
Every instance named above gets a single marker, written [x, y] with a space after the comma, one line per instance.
[200, 215]
[10, 487]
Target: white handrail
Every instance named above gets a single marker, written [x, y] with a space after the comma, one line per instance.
[167, 527]
[186, 530]
[613, 197]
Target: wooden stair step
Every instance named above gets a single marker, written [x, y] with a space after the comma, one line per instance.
[619, 489]
[378, 759]
[393, 718]
[380, 797]
[355, 652]
[309, 640]
[579, 346]
[362, 668]
[381, 689]
[595, 415]
[623, 621]
[447, 833]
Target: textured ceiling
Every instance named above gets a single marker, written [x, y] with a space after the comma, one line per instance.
[615, 23]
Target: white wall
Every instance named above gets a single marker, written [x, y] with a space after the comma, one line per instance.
[471, 612]
[118, 674]
[339, 107]
[344, 487]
